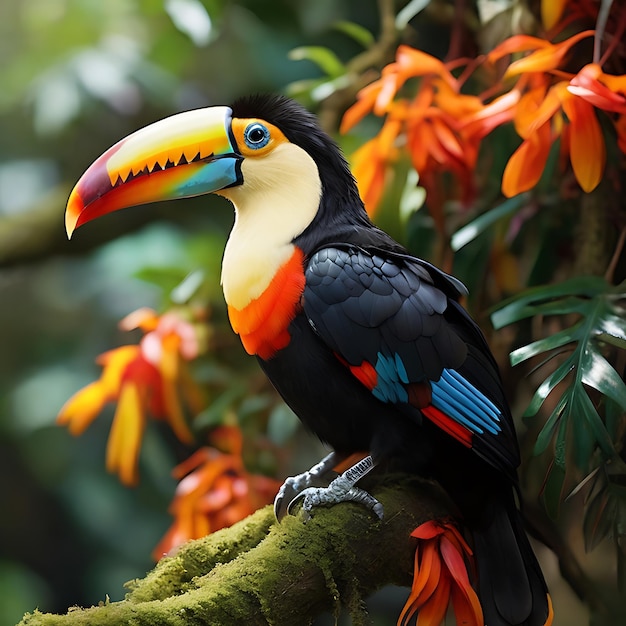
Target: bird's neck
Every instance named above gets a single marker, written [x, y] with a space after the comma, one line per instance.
[271, 209]
[263, 270]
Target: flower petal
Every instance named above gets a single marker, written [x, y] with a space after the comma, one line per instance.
[517, 43]
[433, 612]
[369, 171]
[364, 104]
[116, 362]
[587, 150]
[524, 168]
[426, 574]
[586, 85]
[498, 112]
[411, 62]
[124, 442]
[536, 107]
[82, 408]
[546, 58]
[144, 318]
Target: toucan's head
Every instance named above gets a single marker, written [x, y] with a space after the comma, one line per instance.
[263, 149]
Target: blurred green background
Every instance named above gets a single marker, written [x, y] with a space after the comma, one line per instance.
[75, 76]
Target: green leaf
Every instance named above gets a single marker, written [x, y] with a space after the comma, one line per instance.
[552, 342]
[591, 425]
[188, 287]
[413, 196]
[323, 57]
[545, 436]
[316, 89]
[191, 18]
[167, 278]
[599, 374]
[358, 33]
[251, 405]
[597, 521]
[582, 436]
[614, 417]
[547, 386]
[532, 301]
[470, 231]
[552, 490]
[588, 410]
[214, 414]
[613, 330]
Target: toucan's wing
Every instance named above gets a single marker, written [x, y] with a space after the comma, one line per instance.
[395, 323]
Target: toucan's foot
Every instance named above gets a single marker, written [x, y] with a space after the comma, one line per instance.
[294, 486]
[342, 489]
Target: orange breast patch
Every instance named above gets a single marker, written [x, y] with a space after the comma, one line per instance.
[263, 323]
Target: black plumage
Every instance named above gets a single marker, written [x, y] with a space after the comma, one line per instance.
[367, 300]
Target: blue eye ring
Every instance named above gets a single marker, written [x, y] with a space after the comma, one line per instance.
[256, 136]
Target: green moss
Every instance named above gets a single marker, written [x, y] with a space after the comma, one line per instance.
[265, 573]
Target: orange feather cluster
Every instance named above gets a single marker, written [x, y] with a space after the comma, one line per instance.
[440, 576]
[262, 324]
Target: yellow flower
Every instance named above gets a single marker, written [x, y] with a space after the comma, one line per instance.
[145, 381]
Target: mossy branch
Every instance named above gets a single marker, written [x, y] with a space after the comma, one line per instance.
[261, 572]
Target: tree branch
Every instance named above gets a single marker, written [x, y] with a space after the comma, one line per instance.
[38, 233]
[362, 69]
[259, 572]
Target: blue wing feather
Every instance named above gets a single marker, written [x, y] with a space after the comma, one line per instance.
[399, 315]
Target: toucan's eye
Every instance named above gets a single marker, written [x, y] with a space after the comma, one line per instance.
[256, 136]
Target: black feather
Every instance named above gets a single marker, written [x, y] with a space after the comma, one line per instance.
[368, 301]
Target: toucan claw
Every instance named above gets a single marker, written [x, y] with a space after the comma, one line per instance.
[314, 490]
[338, 491]
[320, 475]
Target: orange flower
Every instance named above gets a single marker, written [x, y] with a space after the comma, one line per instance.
[546, 57]
[429, 126]
[442, 128]
[214, 492]
[440, 576]
[371, 161]
[565, 108]
[143, 380]
[542, 121]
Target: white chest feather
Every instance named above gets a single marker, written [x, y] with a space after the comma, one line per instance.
[278, 199]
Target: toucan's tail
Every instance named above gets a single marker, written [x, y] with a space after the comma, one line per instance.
[511, 587]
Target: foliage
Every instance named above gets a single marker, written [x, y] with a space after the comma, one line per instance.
[448, 119]
[585, 427]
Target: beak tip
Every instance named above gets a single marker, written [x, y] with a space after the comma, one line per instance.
[74, 208]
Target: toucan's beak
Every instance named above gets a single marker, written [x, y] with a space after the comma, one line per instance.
[185, 155]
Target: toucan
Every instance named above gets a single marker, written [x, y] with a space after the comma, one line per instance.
[368, 344]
